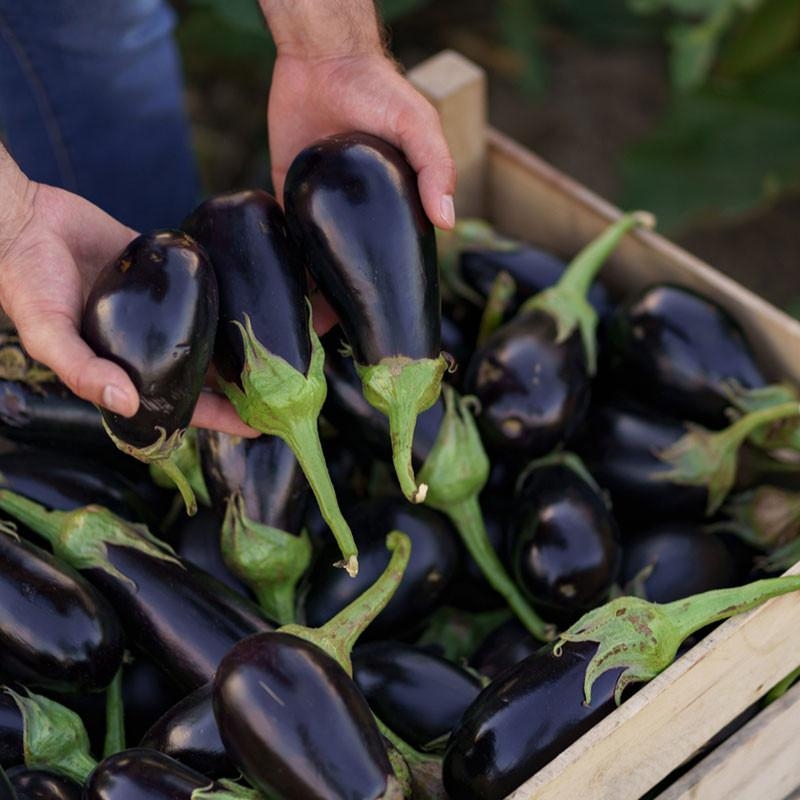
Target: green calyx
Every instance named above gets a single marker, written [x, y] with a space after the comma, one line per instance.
[54, 737]
[400, 768]
[566, 302]
[784, 433]
[426, 770]
[224, 789]
[186, 459]
[642, 638]
[402, 388]
[278, 399]
[456, 471]
[767, 517]
[339, 634]
[562, 458]
[503, 290]
[162, 452]
[270, 561]
[706, 458]
[81, 537]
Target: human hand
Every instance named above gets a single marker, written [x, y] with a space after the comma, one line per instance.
[53, 244]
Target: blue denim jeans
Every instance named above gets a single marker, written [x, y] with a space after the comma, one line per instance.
[91, 100]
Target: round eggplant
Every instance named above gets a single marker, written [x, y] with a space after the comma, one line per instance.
[153, 311]
[296, 724]
[56, 630]
[505, 646]
[418, 695]
[434, 561]
[524, 719]
[680, 352]
[564, 542]
[353, 205]
[40, 784]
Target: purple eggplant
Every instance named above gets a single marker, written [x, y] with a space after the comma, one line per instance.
[153, 311]
[6, 790]
[180, 616]
[266, 351]
[42, 784]
[56, 630]
[506, 645]
[353, 206]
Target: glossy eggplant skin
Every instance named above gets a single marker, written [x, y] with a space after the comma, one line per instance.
[188, 733]
[435, 556]
[181, 617]
[137, 773]
[676, 350]
[420, 696]
[40, 784]
[533, 391]
[260, 273]
[197, 540]
[353, 205]
[153, 311]
[505, 646]
[12, 731]
[685, 560]
[264, 470]
[619, 446]
[56, 630]
[296, 724]
[564, 542]
[348, 410]
[522, 720]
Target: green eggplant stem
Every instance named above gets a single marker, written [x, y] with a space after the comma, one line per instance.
[114, 741]
[467, 517]
[411, 755]
[740, 430]
[173, 472]
[502, 292]
[47, 524]
[339, 634]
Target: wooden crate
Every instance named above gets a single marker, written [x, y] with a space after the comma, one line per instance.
[669, 720]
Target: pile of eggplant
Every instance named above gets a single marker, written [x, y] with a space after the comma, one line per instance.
[482, 510]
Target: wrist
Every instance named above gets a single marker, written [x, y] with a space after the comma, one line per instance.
[311, 30]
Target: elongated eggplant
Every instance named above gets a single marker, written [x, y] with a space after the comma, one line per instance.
[565, 543]
[669, 561]
[266, 351]
[533, 375]
[681, 353]
[139, 773]
[56, 630]
[420, 696]
[433, 564]
[42, 784]
[296, 724]
[180, 616]
[188, 733]
[353, 206]
[153, 311]
[506, 645]
[522, 720]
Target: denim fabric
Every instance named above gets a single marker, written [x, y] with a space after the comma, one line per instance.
[91, 99]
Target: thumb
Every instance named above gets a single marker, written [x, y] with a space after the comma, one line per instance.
[55, 342]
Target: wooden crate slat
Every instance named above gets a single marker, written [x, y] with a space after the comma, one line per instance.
[761, 760]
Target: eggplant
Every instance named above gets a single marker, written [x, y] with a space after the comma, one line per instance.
[353, 206]
[297, 725]
[188, 733]
[12, 732]
[178, 615]
[6, 790]
[139, 773]
[433, 564]
[266, 350]
[672, 560]
[418, 695]
[41, 784]
[153, 311]
[56, 630]
[681, 353]
[532, 376]
[524, 719]
[564, 542]
[506, 645]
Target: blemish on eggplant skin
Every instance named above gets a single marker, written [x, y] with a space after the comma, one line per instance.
[124, 264]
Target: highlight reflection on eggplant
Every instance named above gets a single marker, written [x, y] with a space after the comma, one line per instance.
[41, 784]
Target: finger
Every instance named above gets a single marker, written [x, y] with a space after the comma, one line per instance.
[55, 342]
[215, 412]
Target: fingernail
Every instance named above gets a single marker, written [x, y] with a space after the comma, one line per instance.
[114, 399]
[448, 210]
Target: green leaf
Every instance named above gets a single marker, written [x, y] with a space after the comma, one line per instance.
[720, 151]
